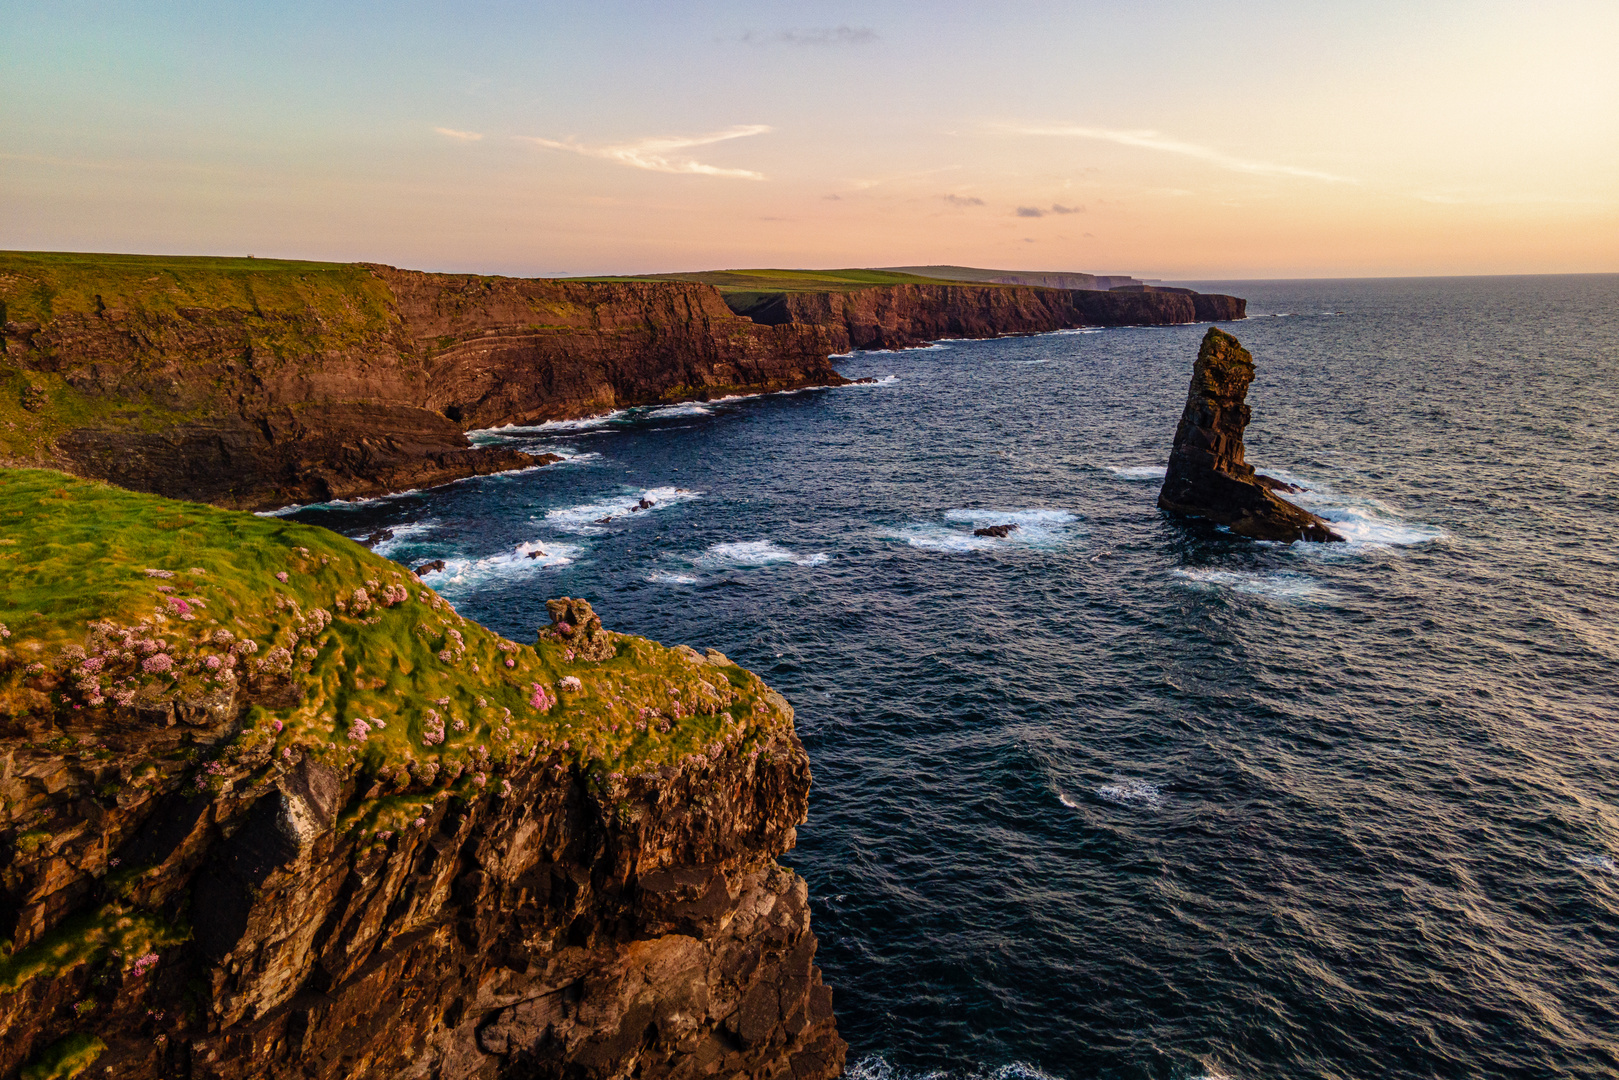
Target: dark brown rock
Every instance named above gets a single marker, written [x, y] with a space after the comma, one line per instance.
[434, 567]
[1207, 475]
[998, 531]
[574, 622]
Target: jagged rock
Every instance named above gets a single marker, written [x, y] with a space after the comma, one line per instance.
[1207, 475]
[378, 537]
[574, 622]
[433, 567]
[998, 531]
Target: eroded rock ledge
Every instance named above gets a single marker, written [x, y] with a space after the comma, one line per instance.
[1208, 476]
[271, 808]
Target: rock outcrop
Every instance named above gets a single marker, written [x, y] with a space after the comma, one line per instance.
[1208, 476]
[258, 383]
[905, 316]
[271, 808]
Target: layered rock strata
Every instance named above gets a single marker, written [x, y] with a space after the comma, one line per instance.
[1208, 476]
[256, 383]
[370, 838]
[905, 316]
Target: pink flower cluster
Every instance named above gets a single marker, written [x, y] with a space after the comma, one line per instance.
[145, 964]
[432, 728]
[212, 663]
[157, 664]
[359, 730]
[281, 576]
[541, 699]
[160, 573]
[571, 683]
[394, 595]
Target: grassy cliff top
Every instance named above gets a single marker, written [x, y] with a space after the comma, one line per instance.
[116, 607]
[785, 280]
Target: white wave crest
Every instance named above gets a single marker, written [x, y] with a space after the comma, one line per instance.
[1036, 528]
[408, 533]
[664, 577]
[1068, 800]
[463, 575]
[585, 517]
[1363, 521]
[876, 1067]
[1137, 472]
[754, 553]
[1131, 793]
[1276, 585]
[1593, 861]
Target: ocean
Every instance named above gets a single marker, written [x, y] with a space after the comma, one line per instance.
[1121, 795]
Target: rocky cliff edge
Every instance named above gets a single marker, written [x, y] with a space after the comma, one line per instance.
[271, 807]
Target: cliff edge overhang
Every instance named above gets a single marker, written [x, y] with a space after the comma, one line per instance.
[272, 807]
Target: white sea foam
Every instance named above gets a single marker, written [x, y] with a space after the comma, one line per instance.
[876, 1067]
[1363, 521]
[746, 554]
[1131, 793]
[584, 517]
[1594, 861]
[1068, 800]
[408, 533]
[663, 577]
[336, 504]
[884, 380]
[464, 575]
[1275, 585]
[1137, 472]
[684, 408]
[1036, 528]
[551, 427]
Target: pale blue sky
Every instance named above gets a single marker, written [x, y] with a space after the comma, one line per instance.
[1189, 139]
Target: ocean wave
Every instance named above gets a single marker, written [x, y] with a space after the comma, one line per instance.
[465, 575]
[1363, 521]
[585, 517]
[884, 380]
[877, 1067]
[664, 577]
[1137, 472]
[747, 554]
[1037, 528]
[1068, 800]
[407, 533]
[1132, 793]
[1594, 861]
[338, 504]
[1276, 585]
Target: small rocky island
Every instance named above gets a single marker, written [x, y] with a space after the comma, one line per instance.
[1207, 476]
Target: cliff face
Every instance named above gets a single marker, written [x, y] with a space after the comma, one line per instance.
[1208, 475]
[255, 383]
[904, 316]
[313, 823]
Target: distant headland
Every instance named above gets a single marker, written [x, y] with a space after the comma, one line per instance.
[256, 383]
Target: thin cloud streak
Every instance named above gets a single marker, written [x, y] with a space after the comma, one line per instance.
[660, 153]
[464, 136]
[1152, 140]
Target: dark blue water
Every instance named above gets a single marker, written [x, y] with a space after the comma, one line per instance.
[1123, 797]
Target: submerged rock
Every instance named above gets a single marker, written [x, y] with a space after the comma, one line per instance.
[998, 531]
[430, 567]
[1207, 475]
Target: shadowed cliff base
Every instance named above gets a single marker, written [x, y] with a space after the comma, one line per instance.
[1208, 476]
[271, 807]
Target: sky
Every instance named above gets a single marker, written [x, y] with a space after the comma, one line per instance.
[1179, 140]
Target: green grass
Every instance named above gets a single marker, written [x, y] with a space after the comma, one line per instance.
[773, 281]
[75, 557]
[64, 1059]
[128, 932]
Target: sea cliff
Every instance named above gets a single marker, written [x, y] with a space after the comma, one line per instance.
[271, 807]
[257, 383]
[907, 315]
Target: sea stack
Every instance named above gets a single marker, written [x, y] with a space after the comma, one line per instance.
[1207, 475]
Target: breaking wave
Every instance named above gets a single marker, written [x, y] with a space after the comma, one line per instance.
[588, 517]
[1276, 585]
[1131, 793]
[748, 554]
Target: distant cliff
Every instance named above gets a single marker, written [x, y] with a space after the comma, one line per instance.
[903, 316]
[256, 383]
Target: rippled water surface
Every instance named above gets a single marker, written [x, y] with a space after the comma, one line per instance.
[1123, 797]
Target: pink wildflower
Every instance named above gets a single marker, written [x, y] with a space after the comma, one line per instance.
[510, 662]
[277, 725]
[157, 664]
[281, 576]
[418, 823]
[480, 779]
[445, 656]
[571, 682]
[145, 964]
[160, 573]
[212, 663]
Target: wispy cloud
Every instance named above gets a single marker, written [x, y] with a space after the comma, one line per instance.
[1152, 140]
[1056, 208]
[662, 153]
[813, 37]
[962, 200]
[464, 136]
